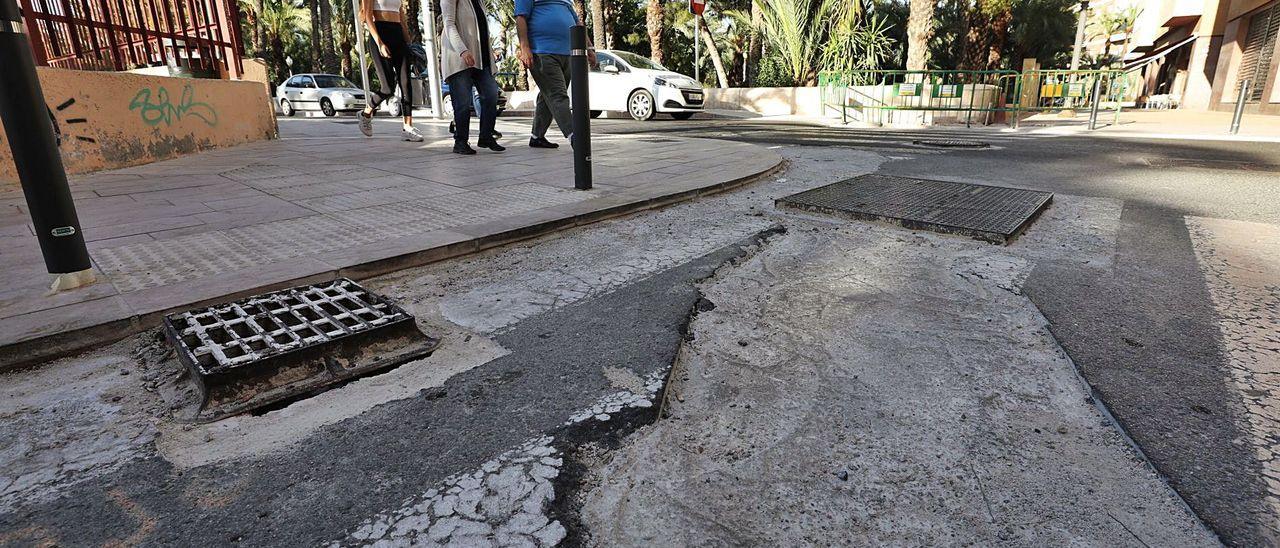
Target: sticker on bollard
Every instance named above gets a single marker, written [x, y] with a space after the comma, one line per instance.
[261, 350]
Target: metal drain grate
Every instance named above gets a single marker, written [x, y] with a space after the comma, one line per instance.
[266, 348]
[951, 143]
[991, 213]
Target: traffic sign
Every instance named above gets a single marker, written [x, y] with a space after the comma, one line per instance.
[696, 7]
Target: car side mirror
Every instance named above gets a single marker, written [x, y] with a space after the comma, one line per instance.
[611, 69]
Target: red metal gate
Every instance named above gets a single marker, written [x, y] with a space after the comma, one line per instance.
[200, 36]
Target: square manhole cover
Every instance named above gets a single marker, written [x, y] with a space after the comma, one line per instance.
[253, 352]
[990, 213]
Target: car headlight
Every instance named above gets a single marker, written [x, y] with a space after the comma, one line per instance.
[664, 82]
[348, 96]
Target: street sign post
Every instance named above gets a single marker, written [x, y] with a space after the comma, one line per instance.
[696, 7]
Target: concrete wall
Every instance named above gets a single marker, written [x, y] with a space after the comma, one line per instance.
[767, 101]
[111, 120]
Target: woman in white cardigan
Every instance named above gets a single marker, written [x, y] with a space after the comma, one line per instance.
[467, 61]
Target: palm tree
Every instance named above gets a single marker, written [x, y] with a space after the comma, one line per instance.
[344, 36]
[1110, 24]
[713, 50]
[988, 29]
[653, 22]
[741, 37]
[283, 23]
[328, 57]
[857, 41]
[598, 37]
[919, 32]
[796, 30]
[313, 7]
[254, 9]
[754, 45]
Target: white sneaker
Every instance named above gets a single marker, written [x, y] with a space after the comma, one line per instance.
[366, 124]
[411, 134]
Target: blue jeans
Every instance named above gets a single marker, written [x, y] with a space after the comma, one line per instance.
[460, 84]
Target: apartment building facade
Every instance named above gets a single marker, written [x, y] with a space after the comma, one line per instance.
[1199, 53]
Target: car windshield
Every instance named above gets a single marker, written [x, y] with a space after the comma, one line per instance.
[638, 61]
[330, 81]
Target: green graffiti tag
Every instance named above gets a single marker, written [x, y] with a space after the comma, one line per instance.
[155, 108]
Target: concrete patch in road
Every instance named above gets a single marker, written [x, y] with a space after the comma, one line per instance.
[1241, 265]
[893, 387]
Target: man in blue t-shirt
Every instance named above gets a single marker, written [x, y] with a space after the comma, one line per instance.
[543, 26]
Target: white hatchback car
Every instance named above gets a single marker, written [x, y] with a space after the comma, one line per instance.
[626, 82]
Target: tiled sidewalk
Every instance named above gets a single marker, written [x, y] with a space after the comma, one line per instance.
[319, 203]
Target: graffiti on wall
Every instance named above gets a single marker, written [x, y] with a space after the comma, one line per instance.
[69, 122]
[157, 107]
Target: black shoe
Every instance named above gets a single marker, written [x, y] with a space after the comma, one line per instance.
[491, 145]
[497, 134]
[463, 149]
[541, 142]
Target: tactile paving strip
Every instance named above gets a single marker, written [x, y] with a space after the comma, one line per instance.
[223, 337]
[990, 213]
[147, 265]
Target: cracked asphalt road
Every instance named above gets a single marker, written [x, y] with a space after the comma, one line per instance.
[539, 408]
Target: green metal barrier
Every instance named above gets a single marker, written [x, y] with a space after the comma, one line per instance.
[983, 96]
[1057, 90]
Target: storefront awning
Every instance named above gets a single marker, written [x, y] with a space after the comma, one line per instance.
[1157, 54]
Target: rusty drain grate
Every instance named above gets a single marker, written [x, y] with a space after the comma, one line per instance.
[253, 352]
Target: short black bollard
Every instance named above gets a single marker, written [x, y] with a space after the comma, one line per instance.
[581, 107]
[35, 151]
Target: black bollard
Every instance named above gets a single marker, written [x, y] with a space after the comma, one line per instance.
[581, 107]
[35, 150]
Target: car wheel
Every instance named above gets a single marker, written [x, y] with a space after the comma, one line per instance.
[446, 106]
[286, 108]
[393, 108]
[640, 105]
[596, 113]
[327, 107]
[682, 115]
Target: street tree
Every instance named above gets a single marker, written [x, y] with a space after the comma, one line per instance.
[713, 50]
[919, 32]
[653, 22]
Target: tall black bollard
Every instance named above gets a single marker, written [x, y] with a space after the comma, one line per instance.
[35, 150]
[581, 106]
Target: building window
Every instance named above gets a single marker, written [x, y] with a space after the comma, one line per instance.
[1259, 45]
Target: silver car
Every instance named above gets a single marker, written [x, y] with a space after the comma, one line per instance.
[327, 93]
